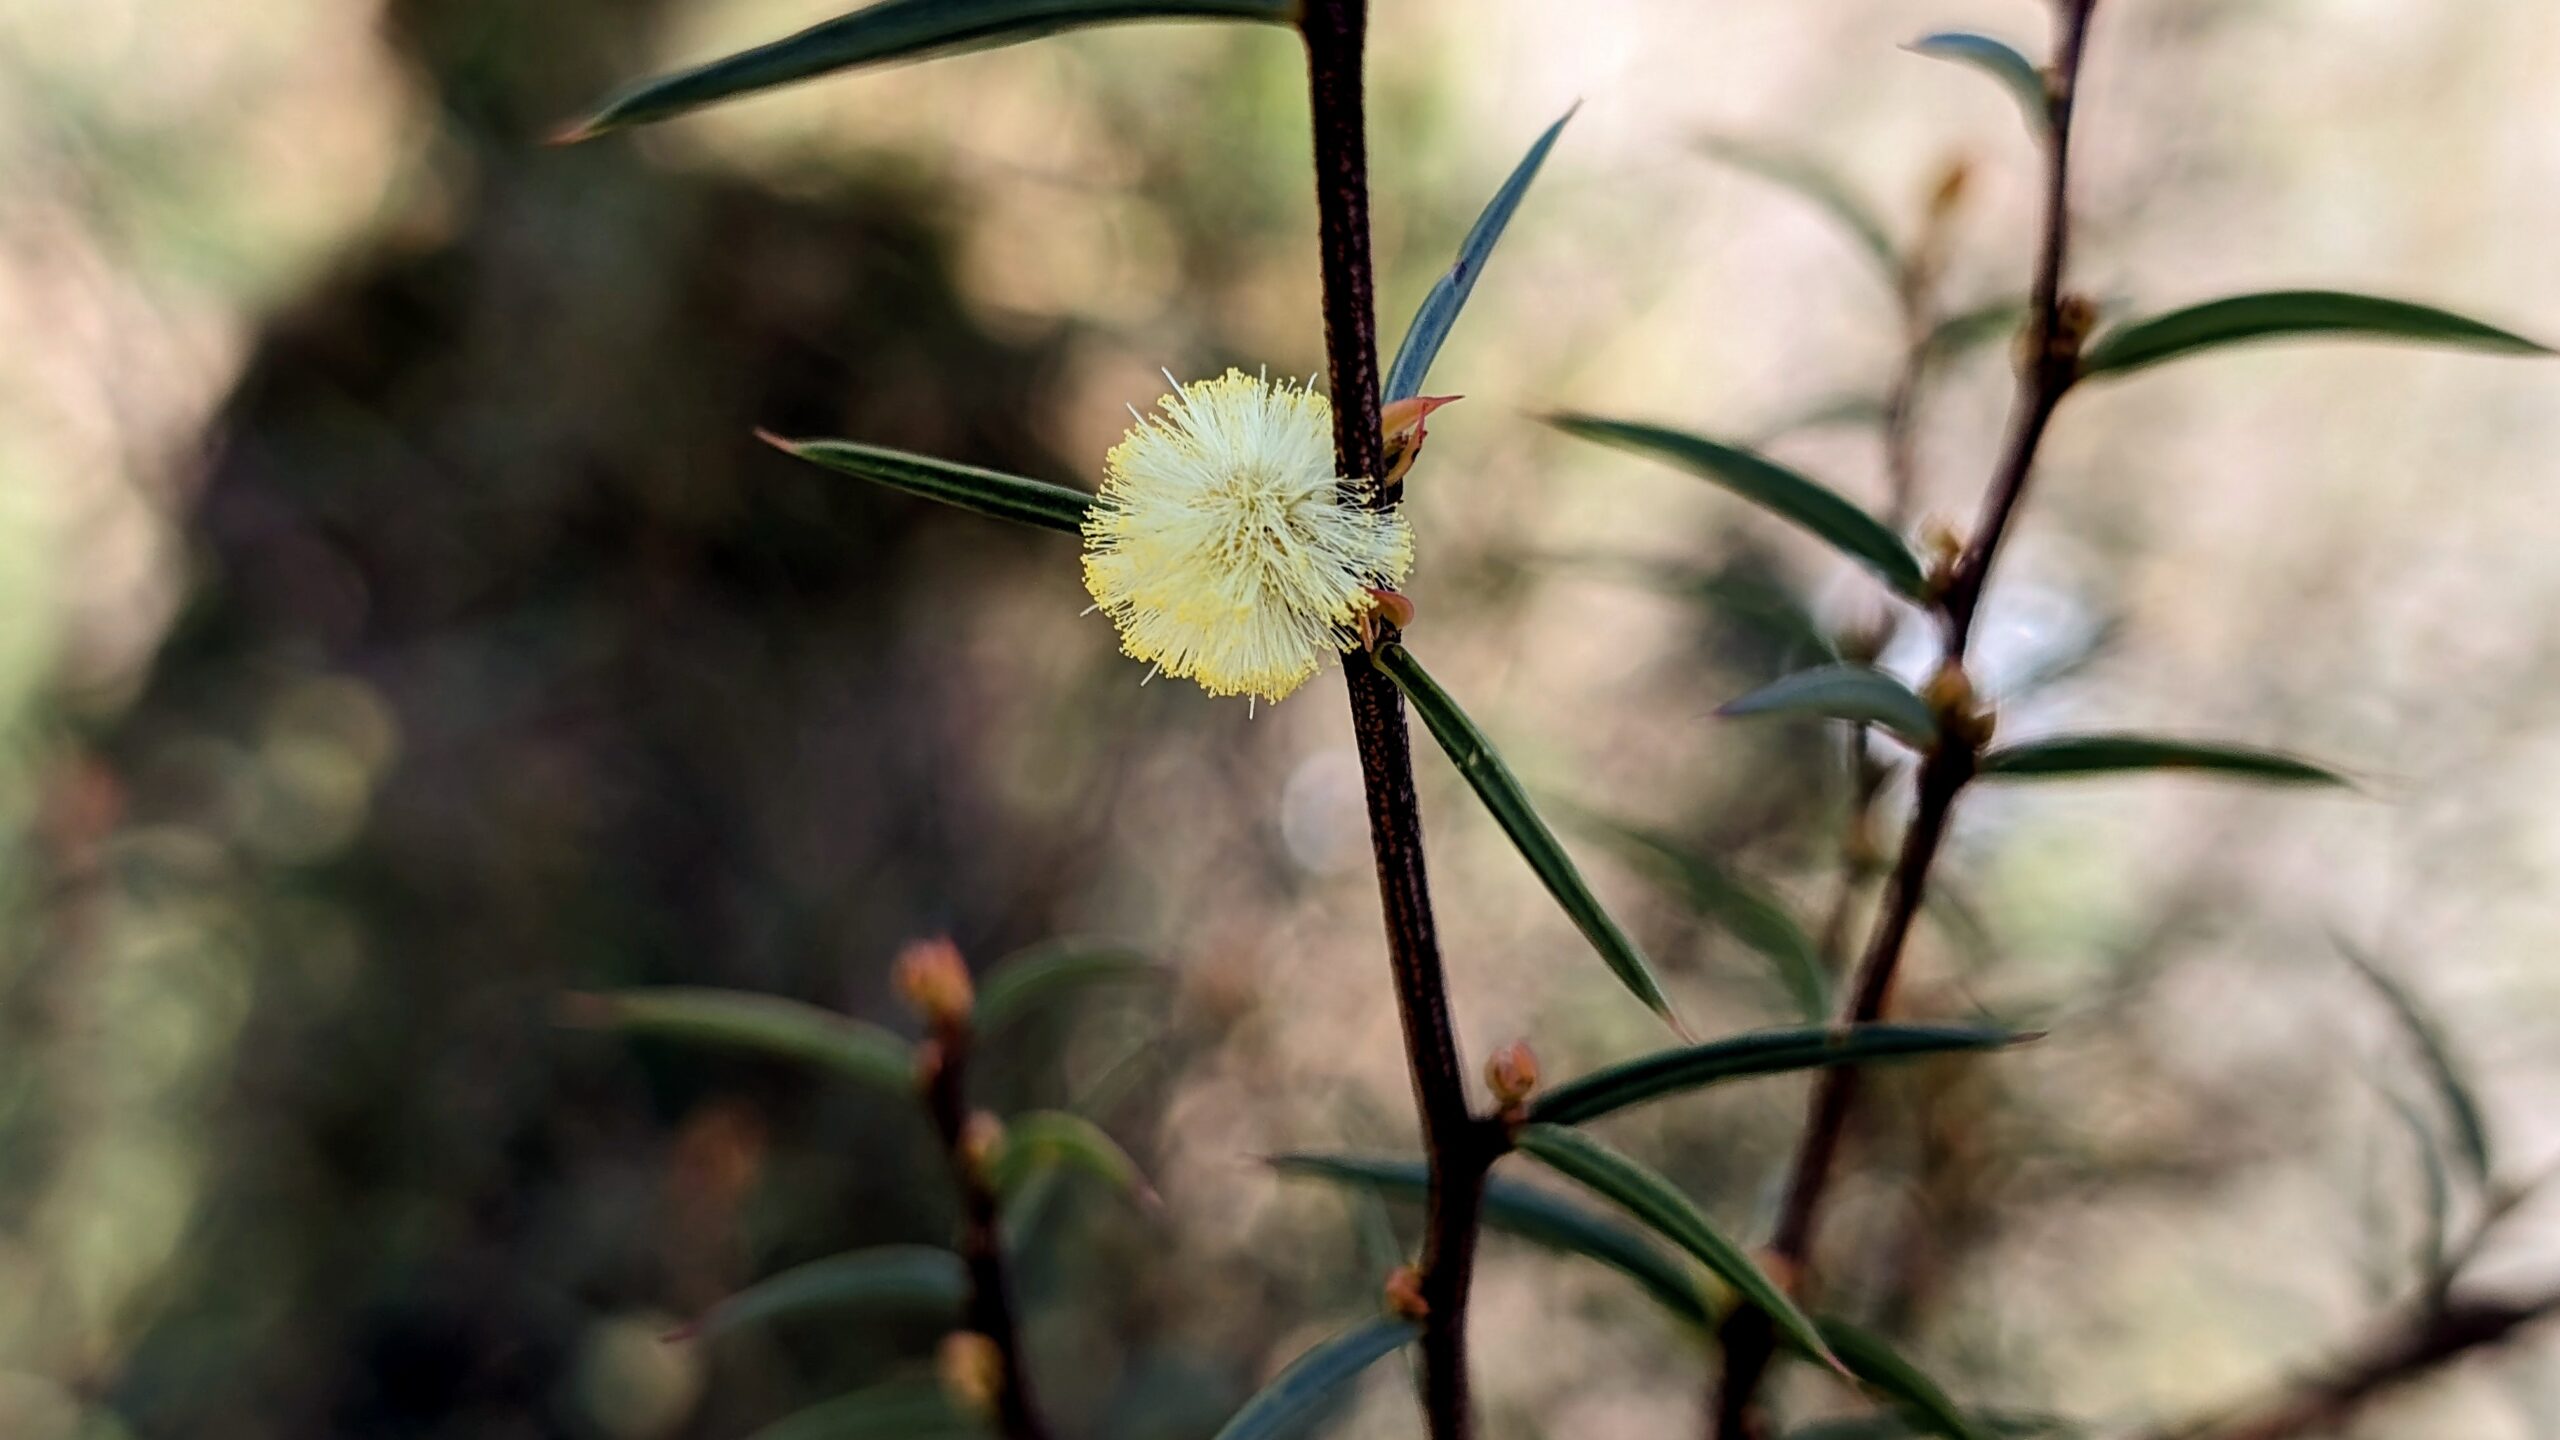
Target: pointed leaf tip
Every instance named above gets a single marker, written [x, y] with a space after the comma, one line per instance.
[2001, 62]
[1302, 1391]
[1791, 496]
[2072, 756]
[1508, 801]
[1431, 323]
[2280, 314]
[895, 30]
[1858, 693]
[987, 492]
[1653, 1200]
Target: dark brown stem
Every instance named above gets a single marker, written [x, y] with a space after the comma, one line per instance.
[2045, 374]
[943, 1072]
[2395, 1355]
[2052, 361]
[1461, 1145]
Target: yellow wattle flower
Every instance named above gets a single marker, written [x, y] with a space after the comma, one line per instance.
[1221, 544]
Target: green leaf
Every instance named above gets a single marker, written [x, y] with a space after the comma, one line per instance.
[1925, 1407]
[893, 30]
[1494, 784]
[1813, 183]
[1848, 409]
[1749, 912]
[1965, 331]
[1005, 497]
[767, 1024]
[1857, 693]
[1298, 1395]
[899, 1410]
[1430, 327]
[1047, 1139]
[1028, 981]
[1652, 1200]
[2002, 63]
[1766, 1052]
[2436, 1218]
[2280, 313]
[894, 1279]
[2445, 1070]
[1529, 1214]
[2066, 756]
[1771, 486]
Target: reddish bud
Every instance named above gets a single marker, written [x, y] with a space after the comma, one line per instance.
[1405, 425]
[981, 1136]
[1393, 606]
[935, 980]
[1512, 1074]
[971, 1370]
[1404, 1294]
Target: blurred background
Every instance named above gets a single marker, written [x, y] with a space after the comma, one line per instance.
[402, 629]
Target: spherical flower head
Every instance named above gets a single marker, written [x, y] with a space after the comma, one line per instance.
[1224, 548]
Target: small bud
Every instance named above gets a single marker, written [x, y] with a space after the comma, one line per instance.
[1941, 547]
[971, 1370]
[1394, 607]
[981, 1136]
[1512, 1074]
[1858, 848]
[1404, 1294]
[935, 980]
[1949, 691]
[1961, 715]
[1949, 191]
[1405, 425]
[2074, 316]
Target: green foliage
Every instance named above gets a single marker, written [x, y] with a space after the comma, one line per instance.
[1044, 1140]
[1005, 497]
[2071, 756]
[1773, 487]
[1653, 1201]
[1493, 782]
[1530, 1214]
[1749, 911]
[1423, 338]
[889, 31]
[1312, 1384]
[764, 1024]
[1768, 1052]
[1925, 1407]
[890, 1279]
[2279, 314]
[2446, 1074]
[2015, 72]
[1858, 693]
[1966, 331]
[1028, 982]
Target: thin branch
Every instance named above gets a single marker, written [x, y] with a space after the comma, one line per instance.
[2398, 1354]
[2045, 374]
[943, 1069]
[1461, 1145]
